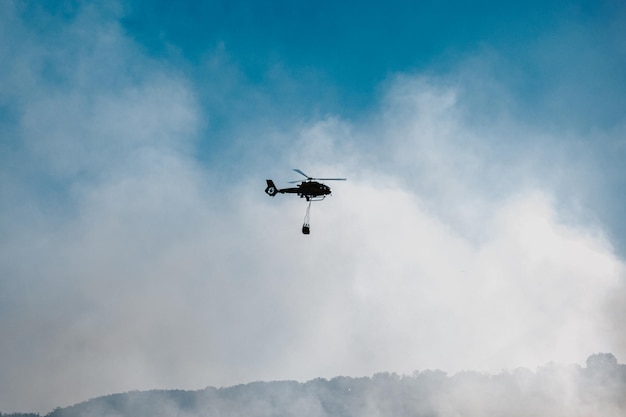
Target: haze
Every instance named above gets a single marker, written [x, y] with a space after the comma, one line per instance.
[481, 226]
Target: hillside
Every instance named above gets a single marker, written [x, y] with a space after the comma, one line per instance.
[599, 389]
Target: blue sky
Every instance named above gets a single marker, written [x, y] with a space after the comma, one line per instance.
[353, 49]
[483, 144]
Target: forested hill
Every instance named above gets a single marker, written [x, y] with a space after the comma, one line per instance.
[598, 389]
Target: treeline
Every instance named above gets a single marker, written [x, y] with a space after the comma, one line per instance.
[599, 389]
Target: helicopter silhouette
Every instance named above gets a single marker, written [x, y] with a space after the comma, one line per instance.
[309, 188]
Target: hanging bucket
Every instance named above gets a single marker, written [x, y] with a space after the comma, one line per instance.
[305, 227]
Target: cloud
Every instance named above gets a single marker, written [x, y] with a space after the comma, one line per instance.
[440, 224]
[127, 264]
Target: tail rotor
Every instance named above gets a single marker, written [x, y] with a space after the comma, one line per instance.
[271, 189]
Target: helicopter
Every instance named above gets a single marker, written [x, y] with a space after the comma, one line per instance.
[309, 188]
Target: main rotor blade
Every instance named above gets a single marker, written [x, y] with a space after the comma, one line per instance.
[320, 179]
[301, 173]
